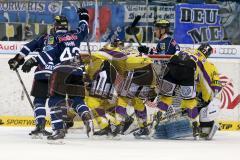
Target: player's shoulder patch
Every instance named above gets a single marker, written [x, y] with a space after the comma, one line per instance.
[48, 48]
[50, 40]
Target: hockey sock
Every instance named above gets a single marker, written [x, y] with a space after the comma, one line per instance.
[56, 118]
[142, 117]
[39, 110]
[101, 118]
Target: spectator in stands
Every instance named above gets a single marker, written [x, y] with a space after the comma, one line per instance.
[28, 33]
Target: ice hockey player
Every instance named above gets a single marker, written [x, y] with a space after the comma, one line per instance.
[67, 77]
[98, 101]
[102, 100]
[133, 69]
[137, 86]
[42, 73]
[208, 89]
[186, 69]
[166, 44]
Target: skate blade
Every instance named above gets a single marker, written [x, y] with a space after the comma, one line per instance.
[90, 134]
[196, 138]
[105, 137]
[99, 137]
[142, 137]
[117, 137]
[38, 136]
[56, 142]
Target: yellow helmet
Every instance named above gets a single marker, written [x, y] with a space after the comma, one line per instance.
[162, 23]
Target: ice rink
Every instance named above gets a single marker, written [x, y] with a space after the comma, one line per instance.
[15, 143]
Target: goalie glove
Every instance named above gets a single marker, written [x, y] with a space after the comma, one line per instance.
[15, 62]
[29, 64]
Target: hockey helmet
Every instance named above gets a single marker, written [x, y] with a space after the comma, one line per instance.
[162, 24]
[206, 49]
[117, 43]
[61, 23]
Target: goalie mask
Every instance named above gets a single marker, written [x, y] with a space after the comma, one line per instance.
[206, 49]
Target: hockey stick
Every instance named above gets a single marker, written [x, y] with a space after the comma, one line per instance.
[24, 88]
[132, 29]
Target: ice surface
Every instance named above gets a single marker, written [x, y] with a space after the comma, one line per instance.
[15, 143]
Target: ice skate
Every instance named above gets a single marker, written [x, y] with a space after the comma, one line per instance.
[40, 131]
[116, 129]
[105, 131]
[89, 127]
[58, 134]
[128, 121]
[195, 130]
[87, 121]
[142, 133]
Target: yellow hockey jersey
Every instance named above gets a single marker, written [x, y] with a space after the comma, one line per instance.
[120, 60]
[208, 77]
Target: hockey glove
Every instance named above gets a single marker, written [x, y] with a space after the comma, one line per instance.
[15, 62]
[29, 64]
[143, 49]
[83, 14]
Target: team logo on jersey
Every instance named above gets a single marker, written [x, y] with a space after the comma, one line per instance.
[47, 48]
[162, 46]
[51, 40]
[186, 91]
[67, 38]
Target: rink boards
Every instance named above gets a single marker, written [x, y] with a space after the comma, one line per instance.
[15, 110]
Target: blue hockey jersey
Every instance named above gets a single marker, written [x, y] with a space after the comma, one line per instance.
[66, 47]
[40, 44]
[167, 45]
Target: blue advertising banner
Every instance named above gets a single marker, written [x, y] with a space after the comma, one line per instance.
[37, 16]
[198, 23]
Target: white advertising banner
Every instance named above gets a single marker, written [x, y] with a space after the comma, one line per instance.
[7, 47]
[220, 51]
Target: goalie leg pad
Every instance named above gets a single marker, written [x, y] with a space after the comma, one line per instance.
[210, 112]
[160, 132]
[208, 129]
[207, 118]
[178, 128]
[213, 131]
